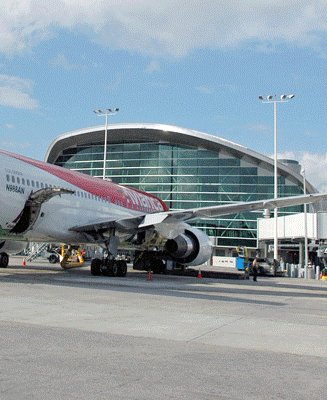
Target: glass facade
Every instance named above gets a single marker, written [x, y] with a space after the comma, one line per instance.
[188, 177]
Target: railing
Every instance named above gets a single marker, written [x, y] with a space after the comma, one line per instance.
[36, 250]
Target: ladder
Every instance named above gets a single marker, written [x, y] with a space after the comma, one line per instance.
[36, 250]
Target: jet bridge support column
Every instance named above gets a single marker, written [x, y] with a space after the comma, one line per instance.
[301, 252]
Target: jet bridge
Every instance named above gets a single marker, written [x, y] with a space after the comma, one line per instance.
[292, 231]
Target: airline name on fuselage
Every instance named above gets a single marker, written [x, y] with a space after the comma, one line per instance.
[15, 188]
[150, 203]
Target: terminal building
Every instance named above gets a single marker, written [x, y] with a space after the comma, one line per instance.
[186, 169]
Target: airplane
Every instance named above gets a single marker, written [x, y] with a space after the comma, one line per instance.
[42, 202]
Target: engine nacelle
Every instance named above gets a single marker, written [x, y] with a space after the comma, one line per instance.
[192, 247]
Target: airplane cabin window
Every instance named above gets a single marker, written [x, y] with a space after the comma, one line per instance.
[18, 180]
[8, 178]
[28, 182]
[23, 181]
[12, 179]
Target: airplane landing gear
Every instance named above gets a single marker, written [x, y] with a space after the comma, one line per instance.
[108, 267]
[149, 261]
[96, 266]
[4, 260]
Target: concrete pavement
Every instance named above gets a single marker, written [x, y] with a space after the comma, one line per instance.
[173, 337]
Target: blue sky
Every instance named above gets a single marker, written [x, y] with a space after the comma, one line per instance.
[195, 64]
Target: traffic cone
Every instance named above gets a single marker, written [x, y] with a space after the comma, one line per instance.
[24, 262]
[200, 274]
[149, 275]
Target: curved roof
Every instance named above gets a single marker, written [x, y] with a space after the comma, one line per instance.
[167, 134]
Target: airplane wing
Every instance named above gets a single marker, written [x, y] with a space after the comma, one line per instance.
[225, 209]
[144, 221]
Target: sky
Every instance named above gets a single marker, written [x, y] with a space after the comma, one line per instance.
[189, 63]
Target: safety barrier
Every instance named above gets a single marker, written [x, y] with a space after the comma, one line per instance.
[297, 271]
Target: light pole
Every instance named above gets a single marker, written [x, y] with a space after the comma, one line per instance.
[305, 229]
[100, 113]
[273, 99]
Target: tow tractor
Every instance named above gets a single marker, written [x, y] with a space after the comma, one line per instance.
[71, 257]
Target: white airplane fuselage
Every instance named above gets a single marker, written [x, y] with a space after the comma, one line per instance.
[92, 199]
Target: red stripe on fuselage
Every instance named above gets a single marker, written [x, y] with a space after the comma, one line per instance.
[117, 194]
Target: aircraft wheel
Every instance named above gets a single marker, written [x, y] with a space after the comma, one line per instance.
[139, 261]
[109, 268]
[115, 269]
[4, 260]
[96, 267]
[158, 267]
[122, 268]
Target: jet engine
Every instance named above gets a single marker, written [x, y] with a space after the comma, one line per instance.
[192, 247]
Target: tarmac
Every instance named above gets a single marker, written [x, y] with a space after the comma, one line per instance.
[67, 334]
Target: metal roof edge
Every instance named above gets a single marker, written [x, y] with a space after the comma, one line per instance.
[184, 131]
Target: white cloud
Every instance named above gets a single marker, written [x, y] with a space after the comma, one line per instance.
[14, 145]
[160, 84]
[167, 28]
[204, 89]
[314, 164]
[14, 92]
[60, 60]
[153, 66]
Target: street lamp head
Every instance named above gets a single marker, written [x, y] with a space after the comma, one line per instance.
[108, 111]
[270, 97]
[261, 98]
[286, 97]
[113, 110]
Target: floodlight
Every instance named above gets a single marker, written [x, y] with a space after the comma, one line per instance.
[261, 98]
[112, 110]
[270, 97]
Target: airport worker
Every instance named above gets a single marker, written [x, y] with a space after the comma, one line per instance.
[255, 267]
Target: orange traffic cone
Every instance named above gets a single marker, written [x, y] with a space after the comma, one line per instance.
[200, 274]
[24, 262]
[149, 275]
